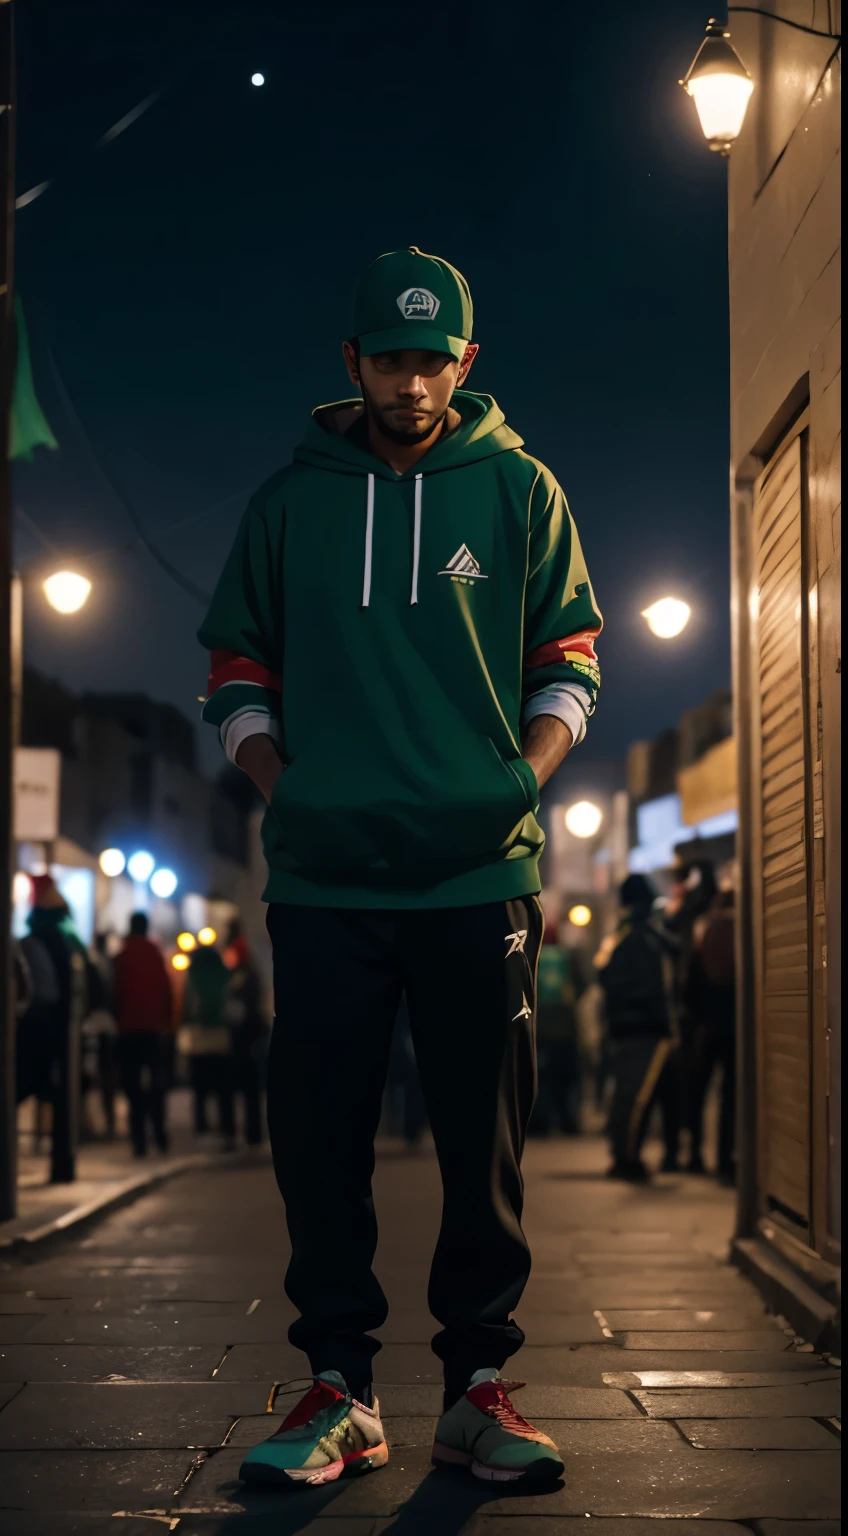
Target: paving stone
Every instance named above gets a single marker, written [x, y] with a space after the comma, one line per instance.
[711, 1378]
[754, 1339]
[798, 1527]
[758, 1434]
[486, 1524]
[678, 1481]
[13, 1328]
[152, 1328]
[106, 1417]
[10, 1389]
[91, 1480]
[32, 1523]
[89, 1362]
[819, 1401]
[658, 1320]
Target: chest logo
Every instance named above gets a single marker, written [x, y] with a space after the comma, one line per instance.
[418, 304]
[463, 567]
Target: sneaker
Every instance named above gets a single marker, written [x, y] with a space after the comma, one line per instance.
[483, 1431]
[327, 1433]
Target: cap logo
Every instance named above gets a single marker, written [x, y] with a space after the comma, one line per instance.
[418, 304]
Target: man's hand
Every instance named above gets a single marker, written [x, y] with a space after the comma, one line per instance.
[546, 744]
[258, 758]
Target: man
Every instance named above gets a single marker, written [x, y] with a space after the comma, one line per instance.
[144, 1012]
[636, 972]
[399, 602]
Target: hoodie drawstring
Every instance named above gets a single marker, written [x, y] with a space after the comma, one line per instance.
[369, 542]
[416, 540]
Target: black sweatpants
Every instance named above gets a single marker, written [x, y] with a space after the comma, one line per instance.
[469, 974]
[643, 1068]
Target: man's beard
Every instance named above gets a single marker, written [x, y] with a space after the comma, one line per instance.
[394, 434]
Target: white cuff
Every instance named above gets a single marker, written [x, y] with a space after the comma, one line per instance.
[567, 702]
[249, 722]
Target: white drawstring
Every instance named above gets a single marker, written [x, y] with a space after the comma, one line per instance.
[416, 541]
[369, 543]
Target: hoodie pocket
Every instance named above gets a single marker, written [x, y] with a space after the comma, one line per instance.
[353, 803]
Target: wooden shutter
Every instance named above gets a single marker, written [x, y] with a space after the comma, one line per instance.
[784, 983]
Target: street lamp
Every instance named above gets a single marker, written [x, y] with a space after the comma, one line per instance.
[67, 591]
[140, 867]
[583, 818]
[112, 862]
[207, 937]
[720, 87]
[668, 617]
[580, 916]
[163, 883]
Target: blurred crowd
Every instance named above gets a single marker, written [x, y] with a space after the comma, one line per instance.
[124, 1025]
[636, 1032]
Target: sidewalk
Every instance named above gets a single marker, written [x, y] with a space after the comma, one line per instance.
[106, 1172]
[142, 1360]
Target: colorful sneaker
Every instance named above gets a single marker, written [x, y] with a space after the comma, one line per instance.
[327, 1433]
[483, 1431]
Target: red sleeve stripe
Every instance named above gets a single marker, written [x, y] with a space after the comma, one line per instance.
[554, 651]
[228, 667]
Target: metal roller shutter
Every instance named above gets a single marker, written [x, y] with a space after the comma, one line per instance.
[780, 669]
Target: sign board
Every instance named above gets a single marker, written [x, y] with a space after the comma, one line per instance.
[37, 778]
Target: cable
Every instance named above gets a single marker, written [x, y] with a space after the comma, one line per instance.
[109, 478]
[126, 121]
[754, 10]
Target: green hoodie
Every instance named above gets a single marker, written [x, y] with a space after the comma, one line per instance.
[395, 624]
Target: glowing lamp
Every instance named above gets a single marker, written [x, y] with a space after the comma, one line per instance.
[66, 591]
[180, 962]
[186, 942]
[720, 87]
[163, 883]
[668, 617]
[583, 819]
[257, 79]
[207, 936]
[141, 866]
[112, 862]
[580, 916]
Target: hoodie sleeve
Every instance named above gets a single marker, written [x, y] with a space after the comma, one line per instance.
[243, 626]
[561, 617]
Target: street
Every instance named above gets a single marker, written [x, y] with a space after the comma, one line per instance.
[141, 1358]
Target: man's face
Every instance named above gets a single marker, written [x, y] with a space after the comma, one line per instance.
[408, 393]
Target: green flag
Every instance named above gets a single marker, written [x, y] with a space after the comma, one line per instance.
[28, 427]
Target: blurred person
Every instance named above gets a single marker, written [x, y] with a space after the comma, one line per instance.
[100, 1031]
[144, 1013]
[439, 630]
[636, 972]
[248, 1031]
[692, 891]
[557, 1105]
[55, 959]
[710, 991]
[206, 1038]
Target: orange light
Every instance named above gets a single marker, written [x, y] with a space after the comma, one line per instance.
[180, 962]
[580, 916]
[186, 942]
[207, 936]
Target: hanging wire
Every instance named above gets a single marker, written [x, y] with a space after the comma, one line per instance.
[797, 26]
[110, 479]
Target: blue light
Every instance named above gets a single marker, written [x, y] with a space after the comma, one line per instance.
[163, 883]
[141, 866]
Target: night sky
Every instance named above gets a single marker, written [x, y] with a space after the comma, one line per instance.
[191, 279]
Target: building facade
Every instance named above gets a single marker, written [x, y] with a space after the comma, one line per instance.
[784, 248]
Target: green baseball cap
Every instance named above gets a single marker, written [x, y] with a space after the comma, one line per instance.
[409, 299]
